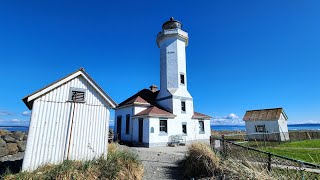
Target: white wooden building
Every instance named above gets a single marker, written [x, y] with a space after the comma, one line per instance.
[155, 117]
[69, 120]
[267, 124]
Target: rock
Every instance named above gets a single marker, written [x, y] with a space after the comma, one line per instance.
[9, 139]
[3, 151]
[2, 142]
[25, 137]
[3, 132]
[18, 135]
[13, 148]
[22, 145]
[14, 157]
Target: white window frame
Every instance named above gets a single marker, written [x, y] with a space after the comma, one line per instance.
[184, 124]
[73, 89]
[185, 108]
[163, 126]
[182, 79]
[260, 128]
[201, 130]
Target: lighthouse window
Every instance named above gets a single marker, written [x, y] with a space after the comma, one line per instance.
[182, 80]
[183, 106]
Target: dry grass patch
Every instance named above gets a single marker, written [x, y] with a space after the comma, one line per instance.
[202, 162]
[120, 164]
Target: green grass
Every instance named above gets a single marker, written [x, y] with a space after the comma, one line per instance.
[302, 144]
[307, 150]
[307, 155]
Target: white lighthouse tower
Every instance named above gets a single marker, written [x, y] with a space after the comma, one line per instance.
[174, 95]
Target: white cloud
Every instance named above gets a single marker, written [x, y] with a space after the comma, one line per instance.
[14, 122]
[5, 113]
[231, 119]
[232, 116]
[26, 113]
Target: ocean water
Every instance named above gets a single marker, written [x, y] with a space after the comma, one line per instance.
[15, 128]
[291, 127]
[213, 127]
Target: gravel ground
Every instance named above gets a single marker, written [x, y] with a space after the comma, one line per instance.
[161, 162]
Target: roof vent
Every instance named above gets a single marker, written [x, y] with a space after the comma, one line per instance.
[154, 88]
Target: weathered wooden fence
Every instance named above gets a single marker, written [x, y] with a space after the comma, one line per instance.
[277, 166]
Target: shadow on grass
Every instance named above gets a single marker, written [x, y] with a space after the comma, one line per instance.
[10, 166]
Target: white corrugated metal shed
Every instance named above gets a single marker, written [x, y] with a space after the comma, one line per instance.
[64, 127]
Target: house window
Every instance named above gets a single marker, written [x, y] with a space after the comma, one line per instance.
[183, 106]
[163, 126]
[184, 128]
[260, 128]
[182, 79]
[201, 126]
[77, 95]
[127, 123]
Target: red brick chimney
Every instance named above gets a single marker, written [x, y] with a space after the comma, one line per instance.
[154, 88]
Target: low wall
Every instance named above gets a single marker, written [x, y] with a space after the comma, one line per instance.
[12, 145]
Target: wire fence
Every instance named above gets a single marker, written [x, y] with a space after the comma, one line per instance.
[276, 166]
[275, 137]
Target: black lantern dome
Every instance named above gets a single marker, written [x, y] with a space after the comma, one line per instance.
[172, 24]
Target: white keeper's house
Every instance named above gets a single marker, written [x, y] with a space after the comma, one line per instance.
[267, 124]
[155, 117]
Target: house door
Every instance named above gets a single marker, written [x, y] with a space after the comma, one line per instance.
[119, 123]
[140, 129]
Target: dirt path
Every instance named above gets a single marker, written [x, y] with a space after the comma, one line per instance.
[161, 162]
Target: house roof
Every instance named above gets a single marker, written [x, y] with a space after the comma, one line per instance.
[264, 114]
[148, 97]
[28, 100]
[144, 96]
[154, 112]
[197, 115]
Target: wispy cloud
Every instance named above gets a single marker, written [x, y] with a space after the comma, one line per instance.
[5, 113]
[231, 119]
[305, 122]
[26, 113]
[14, 122]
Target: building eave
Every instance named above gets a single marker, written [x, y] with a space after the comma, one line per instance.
[28, 100]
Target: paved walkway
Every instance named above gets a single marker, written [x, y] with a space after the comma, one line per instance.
[161, 162]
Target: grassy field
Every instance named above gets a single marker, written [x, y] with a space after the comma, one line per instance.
[307, 150]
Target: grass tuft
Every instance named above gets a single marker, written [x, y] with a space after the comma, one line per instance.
[120, 164]
[202, 162]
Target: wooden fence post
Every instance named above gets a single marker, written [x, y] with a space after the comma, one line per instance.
[269, 162]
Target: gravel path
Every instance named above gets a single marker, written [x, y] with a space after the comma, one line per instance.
[161, 162]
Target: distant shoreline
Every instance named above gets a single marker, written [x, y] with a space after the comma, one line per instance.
[291, 127]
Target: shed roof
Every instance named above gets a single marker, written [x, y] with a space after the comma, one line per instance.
[264, 114]
[28, 100]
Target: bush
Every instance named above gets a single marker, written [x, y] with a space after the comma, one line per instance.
[202, 162]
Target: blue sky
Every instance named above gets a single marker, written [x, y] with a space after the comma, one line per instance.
[242, 55]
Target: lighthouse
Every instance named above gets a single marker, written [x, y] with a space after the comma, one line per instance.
[174, 95]
[153, 117]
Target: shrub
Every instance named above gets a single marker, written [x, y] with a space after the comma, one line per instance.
[202, 162]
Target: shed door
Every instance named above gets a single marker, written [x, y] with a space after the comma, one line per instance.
[87, 132]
